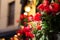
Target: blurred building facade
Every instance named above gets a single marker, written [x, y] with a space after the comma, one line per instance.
[9, 13]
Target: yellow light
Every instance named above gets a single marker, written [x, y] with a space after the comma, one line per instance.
[18, 34]
[30, 0]
[25, 13]
[27, 9]
[3, 38]
[15, 36]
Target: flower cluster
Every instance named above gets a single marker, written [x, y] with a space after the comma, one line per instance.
[32, 22]
[53, 7]
[26, 31]
[48, 11]
[25, 18]
[38, 25]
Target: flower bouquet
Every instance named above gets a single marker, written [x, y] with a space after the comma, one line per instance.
[39, 26]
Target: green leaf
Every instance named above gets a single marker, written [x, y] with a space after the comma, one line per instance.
[37, 1]
[35, 31]
[44, 25]
[25, 20]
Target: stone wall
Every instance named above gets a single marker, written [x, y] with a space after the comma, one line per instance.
[4, 14]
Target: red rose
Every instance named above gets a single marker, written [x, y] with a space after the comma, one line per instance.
[40, 7]
[25, 16]
[25, 23]
[45, 2]
[26, 29]
[58, 0]
[47, 9]
[39, 27]
[29, 34]
[54, 7]
[21, 16]
[20, 31]
[38, 16]
[30, 18]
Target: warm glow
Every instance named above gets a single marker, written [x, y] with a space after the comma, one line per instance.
[27, 9]
[25, 13]
[18, 34]
[15, 36]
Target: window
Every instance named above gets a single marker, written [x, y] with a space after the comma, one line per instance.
[11, 7]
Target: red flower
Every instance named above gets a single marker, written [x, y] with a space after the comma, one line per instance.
[54, 7]
[40, 7]
[39, 27]
[25, 23]
[38, 16]
[44, 6]
[26, 29]
[29, 34]
[58, 0]
[20, 31]
[25, 16]
[21, 16]
[45, 2]
[30, 18]
[47, 9]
